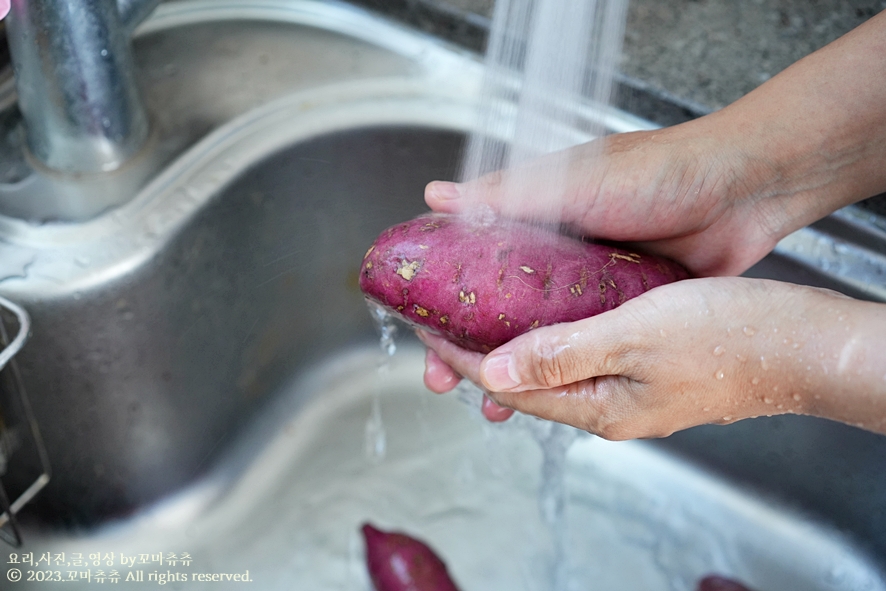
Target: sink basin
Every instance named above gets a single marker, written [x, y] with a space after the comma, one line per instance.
[203, 368]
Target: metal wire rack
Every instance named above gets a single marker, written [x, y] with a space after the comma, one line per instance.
[21, 447]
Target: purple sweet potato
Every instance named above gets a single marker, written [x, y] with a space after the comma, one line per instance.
[481, 285]
[716, 583]
[398, 562]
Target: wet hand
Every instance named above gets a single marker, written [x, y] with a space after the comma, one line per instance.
[678, 192]
[694, 352]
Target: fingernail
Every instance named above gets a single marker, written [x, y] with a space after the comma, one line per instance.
[499, 373]
[444, 190]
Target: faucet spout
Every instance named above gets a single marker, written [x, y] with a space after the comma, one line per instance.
[76, 82]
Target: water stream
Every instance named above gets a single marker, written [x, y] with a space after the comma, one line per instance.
[375, 437]
[542, 62]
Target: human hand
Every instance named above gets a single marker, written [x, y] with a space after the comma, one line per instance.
[678, 192]
[699, 351]
[715, 194]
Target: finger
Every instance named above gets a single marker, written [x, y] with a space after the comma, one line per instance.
[561, 354]
[439, 377]
[608, 406]
[561, 178]
[493, 412]
[443, 196]
[463, 362]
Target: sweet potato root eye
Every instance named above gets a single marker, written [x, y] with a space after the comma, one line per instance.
[480, 285]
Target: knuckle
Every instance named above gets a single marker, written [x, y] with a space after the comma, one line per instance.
[549, 366]
[612, 431]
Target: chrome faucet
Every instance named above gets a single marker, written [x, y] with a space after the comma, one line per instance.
[76, 88]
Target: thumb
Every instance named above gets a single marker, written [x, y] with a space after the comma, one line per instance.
[554, 356]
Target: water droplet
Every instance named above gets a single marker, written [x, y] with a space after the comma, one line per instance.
[727, 419]
[663, 334]
[779, 406]
[841, 318]
[767, 400]
[796, 397]
[741, 357]
[763, 363]
[755, 380]
[775, 329]
[719, 350]
[749, 330]
[706, 409]
[720, 374]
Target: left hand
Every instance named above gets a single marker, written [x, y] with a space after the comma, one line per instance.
[698, 351]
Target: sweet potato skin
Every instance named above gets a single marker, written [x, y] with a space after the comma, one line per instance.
[398, 562]
[480, 285]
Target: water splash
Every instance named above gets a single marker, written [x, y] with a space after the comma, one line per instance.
[386, 325]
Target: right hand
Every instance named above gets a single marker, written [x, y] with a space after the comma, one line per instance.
[679, 192]
[719, 192]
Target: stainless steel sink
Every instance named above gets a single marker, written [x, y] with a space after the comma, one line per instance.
[202, 365]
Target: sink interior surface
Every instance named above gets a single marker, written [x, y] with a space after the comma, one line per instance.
[203, 366]
[285, 507]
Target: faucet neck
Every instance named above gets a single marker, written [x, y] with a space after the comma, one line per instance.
[76, 82]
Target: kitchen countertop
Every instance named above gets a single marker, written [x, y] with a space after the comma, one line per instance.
[708, 53]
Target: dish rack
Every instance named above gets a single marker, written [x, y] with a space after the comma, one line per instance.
[21, 448]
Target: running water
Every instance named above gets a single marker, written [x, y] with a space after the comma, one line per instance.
[547, 83]
[555, 439]
[375, 442]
